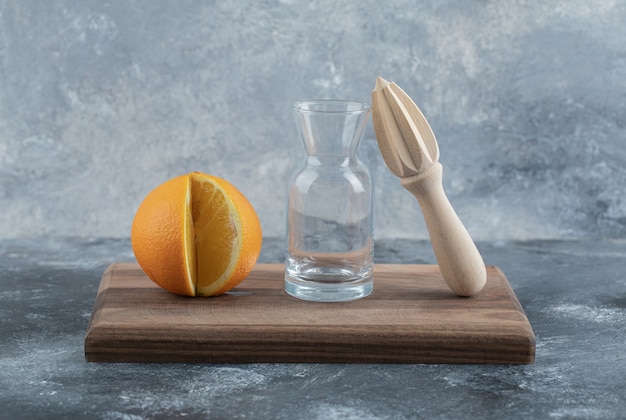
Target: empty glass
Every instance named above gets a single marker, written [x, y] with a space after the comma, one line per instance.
[329, 256]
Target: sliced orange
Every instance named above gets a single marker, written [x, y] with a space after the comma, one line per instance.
[196, 235]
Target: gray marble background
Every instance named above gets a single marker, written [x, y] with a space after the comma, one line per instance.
[100, 101]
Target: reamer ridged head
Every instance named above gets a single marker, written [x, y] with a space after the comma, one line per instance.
[404, 137]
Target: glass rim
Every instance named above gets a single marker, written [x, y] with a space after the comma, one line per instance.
[331, 106]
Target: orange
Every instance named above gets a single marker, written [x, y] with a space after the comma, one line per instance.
[196, 235]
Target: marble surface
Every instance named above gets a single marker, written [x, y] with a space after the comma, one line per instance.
[574, 293]
[100, 101]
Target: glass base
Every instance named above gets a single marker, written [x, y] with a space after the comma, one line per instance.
[328, 291]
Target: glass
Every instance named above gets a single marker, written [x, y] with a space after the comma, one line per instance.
[330, 225]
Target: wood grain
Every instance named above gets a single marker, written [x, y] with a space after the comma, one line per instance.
[411, 317]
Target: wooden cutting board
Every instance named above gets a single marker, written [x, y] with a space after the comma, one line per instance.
[411, 317]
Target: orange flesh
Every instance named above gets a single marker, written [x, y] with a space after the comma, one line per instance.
[213, 218]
